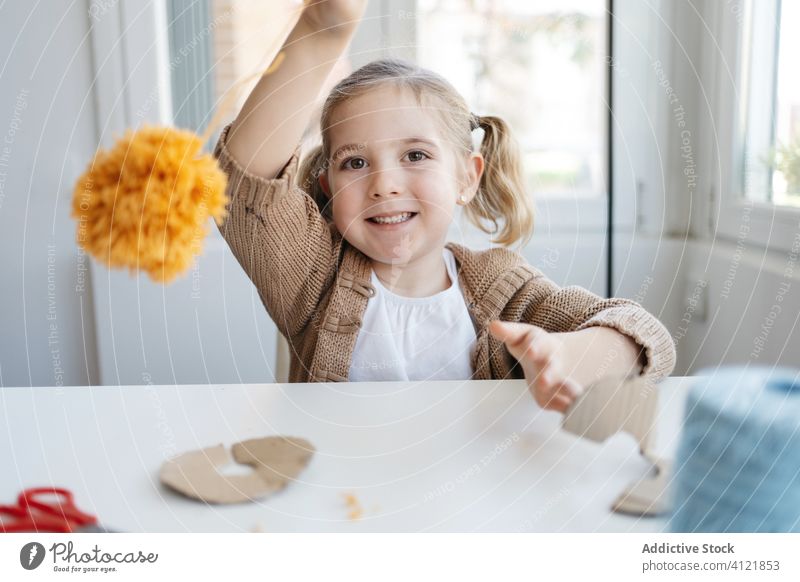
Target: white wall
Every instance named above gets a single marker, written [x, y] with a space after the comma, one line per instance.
[47, 134]
[208, 327]
[752, 307]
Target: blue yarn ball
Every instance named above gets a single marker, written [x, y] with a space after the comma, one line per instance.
[738, 462]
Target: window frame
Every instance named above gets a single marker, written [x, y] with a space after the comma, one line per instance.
[132, 81]
[737, 218]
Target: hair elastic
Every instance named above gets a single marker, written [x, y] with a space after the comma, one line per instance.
[474, 121]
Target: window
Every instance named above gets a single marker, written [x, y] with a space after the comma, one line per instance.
[541, 67]
[216, 47]
[770, 102]
[756, 100]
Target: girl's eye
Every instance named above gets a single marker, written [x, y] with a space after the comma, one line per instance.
[420, 152]
[353, 160]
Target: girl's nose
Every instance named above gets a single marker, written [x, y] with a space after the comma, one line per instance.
[384, 182]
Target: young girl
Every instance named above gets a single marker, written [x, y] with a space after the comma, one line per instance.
[349, 252]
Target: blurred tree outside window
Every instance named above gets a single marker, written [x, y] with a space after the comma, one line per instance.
[541, 66]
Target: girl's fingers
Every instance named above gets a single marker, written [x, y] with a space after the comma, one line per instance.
[570, 388]
[550, 373]
[537, 351]
[540, 378]
[512, 334]
[510, 331]
[524, 341]
[560, 395]
[556, 402]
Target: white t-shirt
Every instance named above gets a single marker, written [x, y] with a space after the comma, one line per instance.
[415, 338]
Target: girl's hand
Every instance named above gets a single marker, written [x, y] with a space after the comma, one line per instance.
[541, 355]
[333, 16]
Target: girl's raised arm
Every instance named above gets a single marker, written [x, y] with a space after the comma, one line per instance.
[275, 115]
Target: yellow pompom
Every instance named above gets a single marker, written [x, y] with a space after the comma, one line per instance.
[144, 204]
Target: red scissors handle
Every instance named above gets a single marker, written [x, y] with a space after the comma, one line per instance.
[32, 513]
[15, 519]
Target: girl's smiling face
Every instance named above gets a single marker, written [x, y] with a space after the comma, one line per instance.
[393, 178]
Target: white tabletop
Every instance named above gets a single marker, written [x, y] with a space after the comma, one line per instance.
[438, 456]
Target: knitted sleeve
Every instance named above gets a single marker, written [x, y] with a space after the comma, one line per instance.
[280, 239]
[573, 308]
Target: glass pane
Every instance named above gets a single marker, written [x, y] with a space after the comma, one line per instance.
[786, 180]
[243, 44]
[190, 58]
[217, 50]
[538, 65]
[771, 103]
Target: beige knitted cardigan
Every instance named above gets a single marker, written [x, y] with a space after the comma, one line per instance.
[315, 285]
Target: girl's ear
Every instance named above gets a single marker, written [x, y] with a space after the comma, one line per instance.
[323, 183]
[474, 171]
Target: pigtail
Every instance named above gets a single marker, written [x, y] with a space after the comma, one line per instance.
[502, 195]
[311, 168]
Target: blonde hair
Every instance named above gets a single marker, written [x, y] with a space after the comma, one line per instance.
[501, 197]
